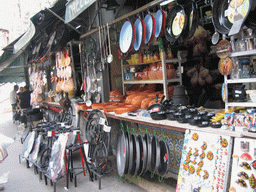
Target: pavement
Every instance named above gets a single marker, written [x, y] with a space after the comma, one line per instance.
[23, 179]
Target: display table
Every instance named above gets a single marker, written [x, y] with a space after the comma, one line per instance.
[176, 126]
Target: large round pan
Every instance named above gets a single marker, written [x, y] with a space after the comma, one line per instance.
[149, 158]
[192, 21]
[250, 22]
[164, 158]
[136, 156]
[127, 149]
[142, 145]
[140, 28]
[121, 154]
[175, 24]
[150, 24]
[160, 23]
[228, 10]
[217, 17]
[127, 37]
[131, 151]
[145, 154]
[155, 161]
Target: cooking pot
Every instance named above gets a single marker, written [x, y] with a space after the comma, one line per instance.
[180, 100]
[239, 93]
[179, 90]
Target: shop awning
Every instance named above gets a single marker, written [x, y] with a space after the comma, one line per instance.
[76, 7]
[12, 60]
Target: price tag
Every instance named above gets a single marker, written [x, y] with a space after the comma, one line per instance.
[106, 128]
[102, 121]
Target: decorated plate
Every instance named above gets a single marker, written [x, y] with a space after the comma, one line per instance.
[150, 24]
[140, 29]
[127, 37]
[160, 23]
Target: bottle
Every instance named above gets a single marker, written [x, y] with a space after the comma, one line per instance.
[242, 42]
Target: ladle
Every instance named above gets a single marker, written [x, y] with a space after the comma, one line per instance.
[215, 38]
[110, 56]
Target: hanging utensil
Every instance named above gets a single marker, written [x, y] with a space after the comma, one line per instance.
[215, 37]
[110, 56]
[238, 21]
[103, 47]
[101, 59]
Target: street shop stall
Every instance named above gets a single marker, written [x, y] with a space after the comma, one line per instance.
[181, 110]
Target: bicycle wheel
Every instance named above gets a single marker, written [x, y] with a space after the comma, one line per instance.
[99, 160]
[44, 159]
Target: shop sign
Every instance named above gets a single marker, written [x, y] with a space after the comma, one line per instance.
[75, 7]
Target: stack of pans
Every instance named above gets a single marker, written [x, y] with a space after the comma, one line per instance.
[137, 153]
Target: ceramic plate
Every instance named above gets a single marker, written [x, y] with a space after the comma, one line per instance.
[126, 37]
[140, 34]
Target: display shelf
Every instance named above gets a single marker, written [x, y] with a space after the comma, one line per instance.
[143, 81]
[245, 80]
[146, 63]
[241, 104]
[151, 81]
[243, 53]
[165, 81]
[248, 53]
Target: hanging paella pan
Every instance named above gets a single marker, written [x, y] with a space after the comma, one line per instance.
[127, 37]
[140, 29]
[175, 24]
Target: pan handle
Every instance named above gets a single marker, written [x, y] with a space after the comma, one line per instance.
[162, 99]
[156, 99]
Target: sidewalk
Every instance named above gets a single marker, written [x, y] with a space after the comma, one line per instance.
[22, 179]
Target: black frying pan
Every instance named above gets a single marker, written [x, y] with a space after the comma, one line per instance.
[164, 158]
[136, 155]
[175, 23]
[155, 148]
[156, 105]
[192, 21]
[217, 17]
[145, 154]
[250, 21]
[226, 5]
[142, 145]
